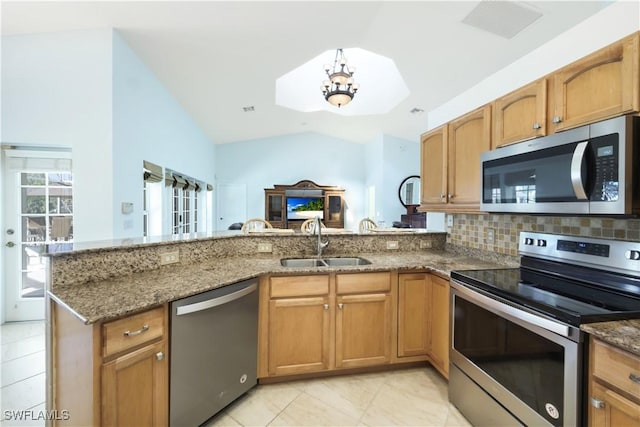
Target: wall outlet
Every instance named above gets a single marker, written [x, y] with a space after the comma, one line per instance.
[392, 244]
[169, 258]
[265, 247]
[490, 235]
[425, 244]
[449, 220]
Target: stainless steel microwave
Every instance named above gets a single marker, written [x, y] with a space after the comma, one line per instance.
[593, 169]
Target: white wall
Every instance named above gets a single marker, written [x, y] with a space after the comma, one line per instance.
[56, 91]
[401, 158]
[287, 159]
[89, 91]
[149, 124]
[607, 26]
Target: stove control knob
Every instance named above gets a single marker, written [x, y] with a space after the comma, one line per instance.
[528, 241]
[542, 242]
[632, 255]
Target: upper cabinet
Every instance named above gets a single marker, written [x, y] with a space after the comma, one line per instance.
[520, 115]
[433, 166]
[450, 163]
[469, 136]
[601, 85]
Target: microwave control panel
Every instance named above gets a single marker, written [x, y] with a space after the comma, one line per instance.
[606, 153]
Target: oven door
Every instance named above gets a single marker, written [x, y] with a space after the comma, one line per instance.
[531, 365]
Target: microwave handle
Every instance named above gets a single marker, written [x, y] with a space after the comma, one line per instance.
[576, 170]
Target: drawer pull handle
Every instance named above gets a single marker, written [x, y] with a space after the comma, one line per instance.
[597, 403]
[144, 328]
[634, 377]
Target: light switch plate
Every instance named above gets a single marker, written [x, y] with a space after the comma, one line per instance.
[425, 244]
[392, 244]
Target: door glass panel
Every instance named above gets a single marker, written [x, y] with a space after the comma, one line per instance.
[47, 217]
[34, 200]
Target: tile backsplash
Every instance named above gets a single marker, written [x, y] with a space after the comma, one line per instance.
[475, 230]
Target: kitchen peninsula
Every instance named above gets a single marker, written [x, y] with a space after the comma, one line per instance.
[99, 290]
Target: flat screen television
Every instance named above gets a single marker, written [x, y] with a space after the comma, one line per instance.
[305, 207]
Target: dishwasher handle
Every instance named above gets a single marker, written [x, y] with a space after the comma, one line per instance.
[215, 302]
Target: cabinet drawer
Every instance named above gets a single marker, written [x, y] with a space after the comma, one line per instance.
[617, 367]
[131, 331]
[363, 282]
[299, 286]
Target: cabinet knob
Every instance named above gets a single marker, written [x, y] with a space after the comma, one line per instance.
[536, 126]
[451, 196]
[326, 306]
[340, 306]
[557, 119]
[597, 403]
[634, 377]
[160, 355]
[442, 196]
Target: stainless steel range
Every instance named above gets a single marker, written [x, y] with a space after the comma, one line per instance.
[517, 355]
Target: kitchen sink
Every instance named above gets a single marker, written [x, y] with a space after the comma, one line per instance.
[346, 261]
[324, 262]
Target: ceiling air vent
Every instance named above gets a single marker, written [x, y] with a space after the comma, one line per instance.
[503, 18]
[249, 109]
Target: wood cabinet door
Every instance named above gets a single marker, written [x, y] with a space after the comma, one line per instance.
[414, 319]
[363, 330]
[613, 410]
[433, 167]
[469, 136]
[520, 115]
[440, 325]
[299, 334]
[135, 388]
[601, 85]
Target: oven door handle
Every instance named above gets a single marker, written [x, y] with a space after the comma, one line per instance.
[576, 170]
[507, 310]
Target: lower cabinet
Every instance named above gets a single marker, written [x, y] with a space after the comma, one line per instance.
[135, 387]
[614, 386]
[324, 322]
[315, 323]
[111, 374]
[423, 318]
[363, 319]
[299, 324]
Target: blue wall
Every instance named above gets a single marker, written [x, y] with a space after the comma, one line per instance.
[149, 124]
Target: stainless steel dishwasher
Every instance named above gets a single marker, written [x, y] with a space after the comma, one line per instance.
[213, 351]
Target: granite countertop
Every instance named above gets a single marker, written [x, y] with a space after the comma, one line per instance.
[108, 299]
[624, 334]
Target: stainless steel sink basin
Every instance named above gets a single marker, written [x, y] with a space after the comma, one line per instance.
[302, 262]
[324, 262]
[346, 261]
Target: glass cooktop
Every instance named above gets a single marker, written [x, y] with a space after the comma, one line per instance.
[567, 300]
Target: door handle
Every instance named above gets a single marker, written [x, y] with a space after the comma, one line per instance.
[10, 244]
[576, 170]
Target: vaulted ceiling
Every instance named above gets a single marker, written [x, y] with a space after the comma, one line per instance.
[218, 57]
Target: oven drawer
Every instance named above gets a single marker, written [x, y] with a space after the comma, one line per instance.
[616, 367]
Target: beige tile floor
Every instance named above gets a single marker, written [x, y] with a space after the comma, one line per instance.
[408, 397]
[22, 371]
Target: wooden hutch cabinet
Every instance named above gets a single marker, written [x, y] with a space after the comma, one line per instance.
[276, 198]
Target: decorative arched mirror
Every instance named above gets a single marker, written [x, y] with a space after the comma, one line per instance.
[409, 193]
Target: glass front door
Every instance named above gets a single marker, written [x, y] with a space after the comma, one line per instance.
[38, 213]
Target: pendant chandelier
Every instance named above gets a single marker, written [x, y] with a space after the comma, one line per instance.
[340, 88]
